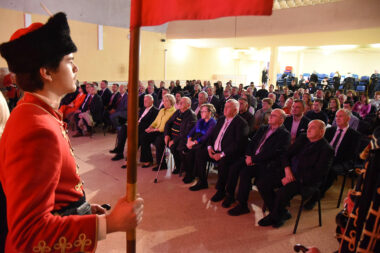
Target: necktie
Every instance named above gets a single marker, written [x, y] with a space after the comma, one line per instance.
[337, 138]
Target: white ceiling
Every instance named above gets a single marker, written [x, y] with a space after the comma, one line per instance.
[113, 12]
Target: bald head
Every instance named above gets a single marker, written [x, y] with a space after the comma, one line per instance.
[316, 130]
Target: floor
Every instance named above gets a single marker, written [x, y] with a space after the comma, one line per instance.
[177, 220]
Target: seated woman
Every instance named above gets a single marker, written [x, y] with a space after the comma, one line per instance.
[363, 107]
[196, 155]
[308, 103]
[155, 134]
[68, 110]
[288, 106]
[334, 106]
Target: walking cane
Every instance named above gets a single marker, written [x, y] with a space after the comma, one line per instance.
[159, 167]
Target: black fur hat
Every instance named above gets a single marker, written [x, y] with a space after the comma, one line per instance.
[38, 45]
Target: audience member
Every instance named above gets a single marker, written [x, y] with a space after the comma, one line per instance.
[363, 107]
[296, 123]
[304, 165]
[176, 130]
[104, 92]
[196, 106]
[245, 114]
[68, 110]
[345, 142]
[262, 160]
[288, 106]
[354, 120]
[334, 106]
[262, 115]
[155, 134]
[120, 112]
[317, 112]
[196, 155]
[4, 113]
[227, 142]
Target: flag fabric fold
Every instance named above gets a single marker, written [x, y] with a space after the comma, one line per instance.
[157, 12]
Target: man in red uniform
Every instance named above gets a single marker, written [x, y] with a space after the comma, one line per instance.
[45, 202]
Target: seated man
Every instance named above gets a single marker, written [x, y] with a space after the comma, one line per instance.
[262, 115]
[345, 142]
[262, 158]
[120, 113]
[176, 130]
[296, 123]
[226, 144]
[111, 106]
[146, 117]
[316, 112]
[354, 117]
[104, 92]
[305, 164]
[91, 112]
[196, 106]
[245, 114]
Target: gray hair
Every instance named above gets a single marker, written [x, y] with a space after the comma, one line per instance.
[204, 93]
[149, 96]
[188, 100]
[171, 98]
[234, 102]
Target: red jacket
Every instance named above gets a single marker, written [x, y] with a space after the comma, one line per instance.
[38, 173]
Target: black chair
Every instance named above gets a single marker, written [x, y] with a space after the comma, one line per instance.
[303, 200]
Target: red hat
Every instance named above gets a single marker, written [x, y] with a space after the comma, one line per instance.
[35, 46]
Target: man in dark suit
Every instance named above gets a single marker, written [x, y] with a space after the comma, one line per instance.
[146, 117]
[226, 144]
[120, 112]
[316, 112]
[345, 142]
[305, 165]
[262, 158]
[196, 106]
[245, 114]
[112, 104]
[213, 99]
[296, 123]
[104, 92]
[176, 130]
[91, 113]
[149, 90]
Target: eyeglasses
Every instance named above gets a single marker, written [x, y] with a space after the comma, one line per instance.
[204, 111]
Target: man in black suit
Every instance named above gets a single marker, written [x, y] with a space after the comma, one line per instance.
[213, 99]
[262, 158]
[176, 130]
[91, 112]
[149, 91]
[245, 114]
[111, 106]
[345, 142]
[226, 144]
[304, 167]
[296, 123]
[120, 112]
[104, 92]
[196, 106]
[146, 117]
[316, 112]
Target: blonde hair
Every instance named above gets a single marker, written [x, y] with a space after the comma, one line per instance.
[4, 113]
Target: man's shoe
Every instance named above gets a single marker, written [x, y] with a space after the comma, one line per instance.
[279, 223]
[228, 201]
[218, 196]
[266, 221]
[124, 166]
[77, 135]
[238, 210]
[146, 165]
[188, 180]
[286, 215]
[117, 157]
[198, 186]
[176, 171]
[113, 151]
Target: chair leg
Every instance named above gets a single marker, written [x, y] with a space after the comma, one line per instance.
[319, 212]
[341, 191]
[298, 216]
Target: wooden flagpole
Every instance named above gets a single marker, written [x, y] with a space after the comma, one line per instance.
[133, 80]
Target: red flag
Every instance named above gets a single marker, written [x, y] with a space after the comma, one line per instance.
[157, 12]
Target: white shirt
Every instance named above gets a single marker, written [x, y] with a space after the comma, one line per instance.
[218, 141]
